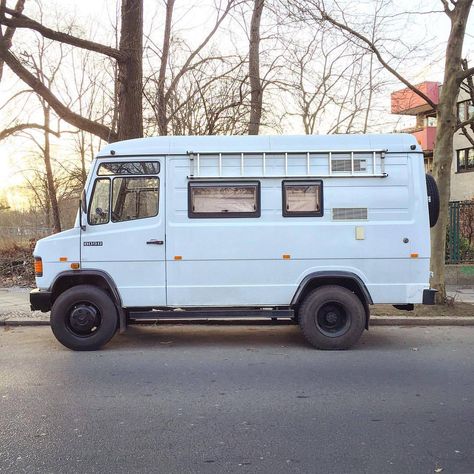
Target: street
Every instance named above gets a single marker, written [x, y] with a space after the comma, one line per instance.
[254, 399]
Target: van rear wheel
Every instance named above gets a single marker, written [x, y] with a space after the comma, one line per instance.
[84, 318]
[332, 317]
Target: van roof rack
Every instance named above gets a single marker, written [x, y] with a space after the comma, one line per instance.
[276, 164]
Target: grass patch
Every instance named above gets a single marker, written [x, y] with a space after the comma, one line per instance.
[425, 311]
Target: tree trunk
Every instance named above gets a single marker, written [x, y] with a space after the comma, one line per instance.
[49, 172]
[160, 93]
[443, 153]
[130, 75]
[256, 89]
[82, 153]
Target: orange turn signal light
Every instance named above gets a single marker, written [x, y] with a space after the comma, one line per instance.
[286, 256]
[75, 266]
[178, 257]
[413, 255]
[38, 267]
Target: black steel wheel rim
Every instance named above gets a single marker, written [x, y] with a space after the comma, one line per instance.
[83, 319]
[332, 319]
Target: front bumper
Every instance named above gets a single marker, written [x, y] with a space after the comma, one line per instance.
[429, 296]
[40, 300]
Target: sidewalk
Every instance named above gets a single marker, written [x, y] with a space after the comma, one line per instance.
[15, 311]
[15, 308]
[461, 294]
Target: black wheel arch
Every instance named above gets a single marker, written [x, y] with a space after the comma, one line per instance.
[99, 278]
[346, 279]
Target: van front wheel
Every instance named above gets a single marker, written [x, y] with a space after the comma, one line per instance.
[332, 317]
[84, 318]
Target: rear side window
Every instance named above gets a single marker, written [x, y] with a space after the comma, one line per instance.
[224, 199]
[134, 198]
[302, 198]
[129, 167]
[99, 206]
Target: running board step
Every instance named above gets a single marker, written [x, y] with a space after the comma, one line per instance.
[211, 314]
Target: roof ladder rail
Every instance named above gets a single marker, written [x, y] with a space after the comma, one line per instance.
[216, 164]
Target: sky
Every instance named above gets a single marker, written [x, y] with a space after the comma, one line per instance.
[191, 19]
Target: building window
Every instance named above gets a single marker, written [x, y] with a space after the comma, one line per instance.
[430, 121]
[465, 110]
[465, 160]
[302, 198]
[224, 200]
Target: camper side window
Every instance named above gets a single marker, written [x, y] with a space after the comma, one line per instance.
[224, 200]
[302, 198]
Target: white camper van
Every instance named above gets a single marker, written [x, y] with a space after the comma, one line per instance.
[313, 228]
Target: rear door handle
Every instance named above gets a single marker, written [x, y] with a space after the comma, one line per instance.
[155, 242]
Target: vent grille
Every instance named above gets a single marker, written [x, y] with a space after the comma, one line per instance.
[349, 213]
[345, 165]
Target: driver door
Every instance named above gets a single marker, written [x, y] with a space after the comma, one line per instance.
[125, 231]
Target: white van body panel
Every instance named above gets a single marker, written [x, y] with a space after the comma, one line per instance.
[261, 261]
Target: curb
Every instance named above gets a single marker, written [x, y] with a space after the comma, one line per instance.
[374, 321]
[421, 321]
[25, 322]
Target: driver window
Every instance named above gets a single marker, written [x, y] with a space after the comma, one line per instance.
[134, 198]
[99, 206]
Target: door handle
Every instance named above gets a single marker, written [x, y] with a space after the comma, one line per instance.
[155, 242]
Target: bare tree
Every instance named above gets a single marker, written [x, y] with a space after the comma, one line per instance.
[211, 99]
[160, 98]
[256, 86]
[129, 64]
[454, 75]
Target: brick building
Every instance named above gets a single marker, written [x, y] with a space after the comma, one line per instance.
[406, 102]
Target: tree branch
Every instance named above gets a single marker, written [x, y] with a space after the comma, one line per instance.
[61, 110]
[24, 126]
[18, 20]
[370, 44]
[185, 67]
[464, 74]
[6, 38]
[446, 8]
[466, 133]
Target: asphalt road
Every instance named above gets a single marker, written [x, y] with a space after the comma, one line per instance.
[185, 399]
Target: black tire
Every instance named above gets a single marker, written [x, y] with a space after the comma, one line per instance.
[433, 199]
[84, 318]
[332, 318]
